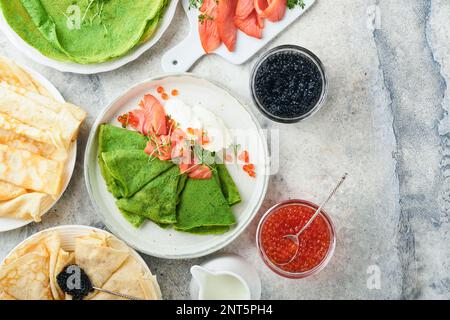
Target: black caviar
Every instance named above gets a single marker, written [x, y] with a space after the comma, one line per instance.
[75, 282]
[288, 84]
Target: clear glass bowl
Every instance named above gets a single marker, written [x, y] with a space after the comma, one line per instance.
[297, 275]
[306, 53]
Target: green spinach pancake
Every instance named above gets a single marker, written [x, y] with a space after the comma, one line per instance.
[147, 188]
[84, 31]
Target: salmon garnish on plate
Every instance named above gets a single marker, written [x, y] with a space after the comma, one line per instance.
[226, 10]
[149, 119]
[207, 26]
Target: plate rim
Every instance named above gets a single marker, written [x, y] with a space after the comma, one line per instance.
[58, 96]
[95, 68]
[239, 229]
[76, 228]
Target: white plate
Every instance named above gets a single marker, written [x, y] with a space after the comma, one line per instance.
[135, 53]
[68, 236]
[7, 224]
[171, 244]
[181, 57]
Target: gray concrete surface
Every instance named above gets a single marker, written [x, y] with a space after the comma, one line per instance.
[386, 122]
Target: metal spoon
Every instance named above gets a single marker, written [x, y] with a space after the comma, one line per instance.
[295, 238]
[117, 294]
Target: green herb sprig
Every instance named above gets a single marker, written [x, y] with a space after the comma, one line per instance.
[291, 4]
[195, 4]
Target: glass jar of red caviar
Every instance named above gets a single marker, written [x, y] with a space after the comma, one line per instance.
[317, 242]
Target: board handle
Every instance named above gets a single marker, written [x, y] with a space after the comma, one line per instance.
[183, 56]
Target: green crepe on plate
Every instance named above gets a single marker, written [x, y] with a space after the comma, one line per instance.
[103, 29]
[111, 139]
[132, 169]
[229, 188]
[157, 201]
[203, 208]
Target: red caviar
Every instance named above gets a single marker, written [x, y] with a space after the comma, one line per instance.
[315, 241]
[160, 90]
[165, 96]
[175, 92]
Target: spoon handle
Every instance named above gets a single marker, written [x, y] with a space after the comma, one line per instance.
[323, 204]
[117, 294]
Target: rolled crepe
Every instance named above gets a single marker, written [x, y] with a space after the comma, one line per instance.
[22, 136]
[30, 171]
[130, 279]
[28, 111]
[48, 102]
[18, 282]
[26, 206]
[100, 256]
[12, 74]
[9, 191]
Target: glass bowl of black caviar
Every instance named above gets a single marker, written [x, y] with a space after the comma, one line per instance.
[289, 84]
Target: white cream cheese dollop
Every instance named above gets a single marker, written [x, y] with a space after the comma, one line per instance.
[198, 117]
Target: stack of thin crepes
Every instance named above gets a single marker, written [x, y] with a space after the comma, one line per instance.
[30, 272]
[36, 134]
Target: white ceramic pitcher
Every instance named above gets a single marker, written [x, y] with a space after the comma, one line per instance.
[220, 285]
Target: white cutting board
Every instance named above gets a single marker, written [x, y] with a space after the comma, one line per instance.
[181, 57]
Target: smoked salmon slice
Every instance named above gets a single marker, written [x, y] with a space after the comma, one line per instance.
[226, 10]
[244, 9]
[207, 26]
[272, 10]
[155, 116]
[250, 25]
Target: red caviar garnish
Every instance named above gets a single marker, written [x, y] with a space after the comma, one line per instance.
[165, 96]
[175, 92]
[160, 90]
[249, 167]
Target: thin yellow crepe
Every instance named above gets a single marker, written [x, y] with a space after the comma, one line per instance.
[22, 136]
[48, 102]
[64, 259]
[43, 256]
[26, 206]
[100, 255]
[130, 279]
[27, 278]
[9, 191]
[40, 132]
[12, 74]
[30, 171]
[30, 271]
[42, 116]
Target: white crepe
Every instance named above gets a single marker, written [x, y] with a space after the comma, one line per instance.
[30, 171]
[26, 206]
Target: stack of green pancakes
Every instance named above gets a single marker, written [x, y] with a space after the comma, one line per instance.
[84, 31]
[147, 188]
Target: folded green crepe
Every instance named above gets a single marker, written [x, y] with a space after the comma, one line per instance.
[203, 208]
[111, 139]
[83, 31]
[157, 201]
[132, 169]
[229, 188]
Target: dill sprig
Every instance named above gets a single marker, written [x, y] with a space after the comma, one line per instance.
[291, 4]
